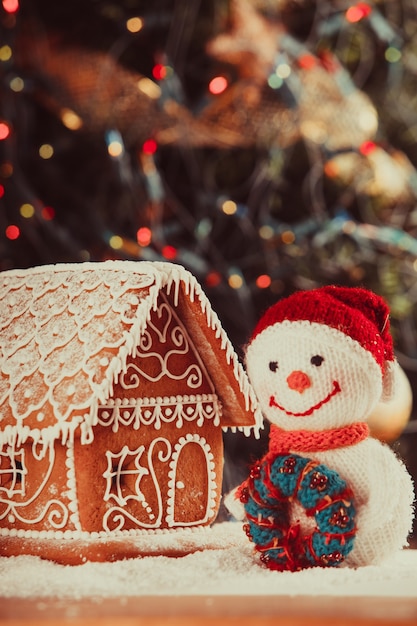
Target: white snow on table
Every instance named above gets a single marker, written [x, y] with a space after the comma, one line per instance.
[227, 567]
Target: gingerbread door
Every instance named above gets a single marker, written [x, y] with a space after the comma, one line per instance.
[192, 483]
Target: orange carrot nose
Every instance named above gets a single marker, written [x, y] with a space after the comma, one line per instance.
[298, 381]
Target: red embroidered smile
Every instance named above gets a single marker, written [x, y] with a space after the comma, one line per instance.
[335, 390]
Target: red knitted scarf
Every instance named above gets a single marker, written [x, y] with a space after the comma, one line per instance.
[282, 441]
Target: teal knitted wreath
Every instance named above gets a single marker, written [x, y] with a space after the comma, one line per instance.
[278, 480]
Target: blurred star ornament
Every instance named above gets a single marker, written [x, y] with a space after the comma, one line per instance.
[326, 87]
[250, 108]
[250, 43]
[289, 89]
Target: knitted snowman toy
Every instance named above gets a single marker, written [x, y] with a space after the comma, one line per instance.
[325, 493]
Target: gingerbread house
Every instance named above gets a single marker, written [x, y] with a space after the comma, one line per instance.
[116, 380]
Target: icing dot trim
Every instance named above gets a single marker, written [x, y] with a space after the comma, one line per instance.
[154, 412]
[83, 535]
[71, 486]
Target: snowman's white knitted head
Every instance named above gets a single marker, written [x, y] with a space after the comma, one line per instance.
[322, 358]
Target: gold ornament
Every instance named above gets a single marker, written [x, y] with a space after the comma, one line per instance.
[388, 420]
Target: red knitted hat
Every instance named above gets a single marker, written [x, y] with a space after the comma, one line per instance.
[359, 313]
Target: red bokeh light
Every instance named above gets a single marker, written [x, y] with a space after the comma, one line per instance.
[263, 281]
[4, 130]
[217, 85]
[169, 252]
[149, 146]
[159, 71]
[48, 213]
[10, 6]
[367, 147]
[307, 61]
[12, 232]
[358, 12]
[213, 279]
[144, 236]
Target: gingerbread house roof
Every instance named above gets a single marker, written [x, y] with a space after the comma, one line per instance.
[67, 330]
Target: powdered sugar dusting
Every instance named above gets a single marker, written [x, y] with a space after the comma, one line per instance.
[225, 565]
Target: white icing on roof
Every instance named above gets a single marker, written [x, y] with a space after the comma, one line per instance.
[66, 331]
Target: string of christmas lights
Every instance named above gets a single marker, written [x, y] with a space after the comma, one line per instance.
[254, 162]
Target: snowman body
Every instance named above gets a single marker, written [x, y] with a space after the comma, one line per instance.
[312, 377]
[383, 494]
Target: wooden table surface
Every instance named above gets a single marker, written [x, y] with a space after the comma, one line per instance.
[210, 611]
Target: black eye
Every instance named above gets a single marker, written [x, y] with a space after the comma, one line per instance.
[273, 366]
[317, 360]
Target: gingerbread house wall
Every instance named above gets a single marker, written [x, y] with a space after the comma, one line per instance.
[131, 480]
[159, 435]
